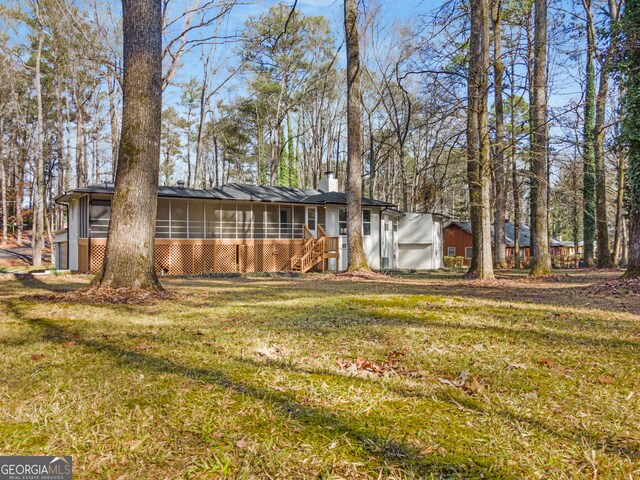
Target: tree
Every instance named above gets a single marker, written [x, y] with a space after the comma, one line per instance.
[605, 257]
[499, 168]
[541, 263]
[129, 259]
[357, 260]
[631, 127]
[588, 153]
[478, 148]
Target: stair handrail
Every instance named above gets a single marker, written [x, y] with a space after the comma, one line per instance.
[321, 232]
[309, 259]
[307, 233]
[306, 248]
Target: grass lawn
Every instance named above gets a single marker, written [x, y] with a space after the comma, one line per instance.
[419, 376]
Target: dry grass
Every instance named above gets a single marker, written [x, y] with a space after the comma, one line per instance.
[419, 376]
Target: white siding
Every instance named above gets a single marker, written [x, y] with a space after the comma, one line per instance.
[420, 242]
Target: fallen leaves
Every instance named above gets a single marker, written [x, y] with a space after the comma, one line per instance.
[113, 296]
[37, 356]
[621, 286]
[242, 443]
[469, 383]
[388, 367]
[605, 379]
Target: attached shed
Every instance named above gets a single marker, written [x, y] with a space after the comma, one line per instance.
[420, 241]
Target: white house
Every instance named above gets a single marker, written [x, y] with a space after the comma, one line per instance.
[247, 228]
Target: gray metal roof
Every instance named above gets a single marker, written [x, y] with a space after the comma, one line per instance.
[524, 239]
[238, 192]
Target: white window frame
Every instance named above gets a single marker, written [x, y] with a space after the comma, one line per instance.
[449, 254]
[370, 222]
[468, 253]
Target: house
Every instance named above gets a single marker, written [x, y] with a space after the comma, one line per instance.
[458, 242]
[249, 228]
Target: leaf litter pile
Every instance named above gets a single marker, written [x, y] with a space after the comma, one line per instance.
[115, 296]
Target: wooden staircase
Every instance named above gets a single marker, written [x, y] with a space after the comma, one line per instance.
[314, 251]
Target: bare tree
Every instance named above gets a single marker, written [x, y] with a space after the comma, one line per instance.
[357, 259]
[129, 259]
[499, 167]
[541, 263]
[478, 143]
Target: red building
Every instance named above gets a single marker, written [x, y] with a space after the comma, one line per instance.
[459, 243]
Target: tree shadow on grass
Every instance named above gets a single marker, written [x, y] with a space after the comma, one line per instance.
[389, 452]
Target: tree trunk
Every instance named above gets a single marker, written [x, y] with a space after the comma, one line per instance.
[631, 129]
[541, 264]
[113, 123]
[478, 143]
[37, 240]
[499, 242]
[357, 258]
[3, 185]
[588, 152]
[129, 258]
[59, 155]
[81, 173]
[616, 254]
[602, 225]
[515, 184]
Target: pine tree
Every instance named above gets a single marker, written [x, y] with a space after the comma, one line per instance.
[588, 152]
[291, 157]
[283, 167]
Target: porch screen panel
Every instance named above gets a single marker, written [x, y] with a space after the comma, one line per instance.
[298, 221]
[273, 221]
[214, 218]
[196, 219]
[228, 220]
[286, 223]
[163, 227]
[244, 221]
[99, 215]
[321, 217]
[179, 217]
[258, 221]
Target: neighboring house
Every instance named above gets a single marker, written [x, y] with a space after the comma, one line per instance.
[248, 228]
[459, 243]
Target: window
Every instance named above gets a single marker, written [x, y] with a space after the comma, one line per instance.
[468, 252]
[342, 221]
[451, 251]
[366, 223]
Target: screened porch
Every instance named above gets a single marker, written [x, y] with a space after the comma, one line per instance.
[197, 219]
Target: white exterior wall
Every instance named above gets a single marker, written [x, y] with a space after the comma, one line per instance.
[74, 225]
[371, 242]
[332, 229]
[420, 242]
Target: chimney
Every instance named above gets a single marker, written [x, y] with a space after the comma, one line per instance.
[328, 183]
[180, 183]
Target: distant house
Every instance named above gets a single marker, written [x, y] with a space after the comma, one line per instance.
[248, 228]
[458, 242]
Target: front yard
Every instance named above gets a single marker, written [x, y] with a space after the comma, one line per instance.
[418, 376]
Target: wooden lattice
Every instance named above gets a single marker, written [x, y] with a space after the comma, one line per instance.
[194, 257]
[162, 253]
[247, 258]
[226, 258]
[181, 259]
[98, 251]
